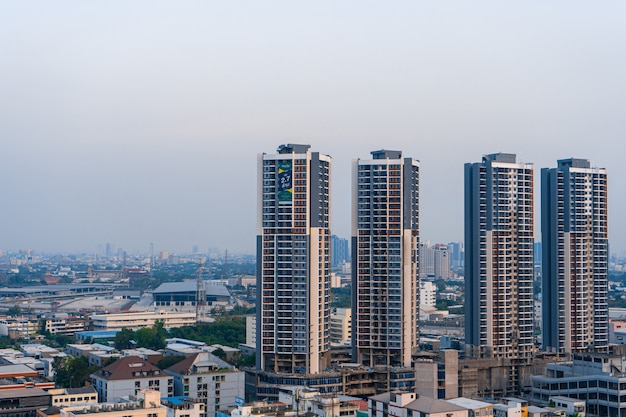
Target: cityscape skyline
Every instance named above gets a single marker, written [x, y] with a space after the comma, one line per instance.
[145, 130]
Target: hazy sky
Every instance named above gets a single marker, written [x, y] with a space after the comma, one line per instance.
[138, 122]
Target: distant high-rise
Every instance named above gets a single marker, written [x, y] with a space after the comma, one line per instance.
[293, 261]
[457, 256]
[340, 253]
[574, 233]
[427, 260]
[442, 261]
[499, 242]
[434, 261]
[385, 253]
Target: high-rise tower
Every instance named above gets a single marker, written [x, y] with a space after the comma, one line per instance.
[293, 261]
[574, 234]
[385, 253]
[499, 242]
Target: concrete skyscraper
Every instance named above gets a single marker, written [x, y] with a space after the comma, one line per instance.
[574, 234]
[293, 261]
[499, 240]
[385, 253]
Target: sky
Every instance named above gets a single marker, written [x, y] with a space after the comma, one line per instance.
[140, 122]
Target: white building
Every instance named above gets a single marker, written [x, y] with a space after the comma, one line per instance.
[148, 404]
[210, 379]
[428, 293]
[138, 320]
[341, 325]
[129, 375]
[69, 397]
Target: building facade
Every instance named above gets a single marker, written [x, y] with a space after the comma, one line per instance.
[210, 379]
[442, 261]
[341, 325]
[293, 253]
[598, 379]
[574, 233]
[128, 376]
[139, 319]
[499, 242]
[385, 252]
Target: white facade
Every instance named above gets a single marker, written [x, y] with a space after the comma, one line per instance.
[68, 397]
[208, 378]
[147, 405]
[341, 325]
[293, 249]
[251, 331]
[128, 376]
[428, 294]
[138, 320]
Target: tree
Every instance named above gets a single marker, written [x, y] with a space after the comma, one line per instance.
[219, 352]
[72, 372]
[167, 361]
[123, 339]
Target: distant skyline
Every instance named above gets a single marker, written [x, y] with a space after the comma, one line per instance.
[140, 122]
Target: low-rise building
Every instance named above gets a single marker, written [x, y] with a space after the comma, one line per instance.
[210, 379]
[184, 406]
[69, 397]
[475, 408]
[147, 404]
[128, 376]
[599, 379]
[571, 406]
[183, 347]
[140, 319]
[63, 323]
[182, 295]
[410, 404]
[23, 399]
[305, 400]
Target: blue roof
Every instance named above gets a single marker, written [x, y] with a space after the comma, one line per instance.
[179, 400]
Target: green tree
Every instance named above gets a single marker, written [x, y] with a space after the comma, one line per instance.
[144, 337]
[123, 339]
[72, 372]
[219, 352]
[167, 361]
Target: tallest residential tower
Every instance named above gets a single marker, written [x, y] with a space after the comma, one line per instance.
[293, 261]
[499, 241]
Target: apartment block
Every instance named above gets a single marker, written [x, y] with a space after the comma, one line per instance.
[293, 257]
[385, 265]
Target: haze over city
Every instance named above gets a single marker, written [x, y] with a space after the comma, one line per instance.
[141, 122]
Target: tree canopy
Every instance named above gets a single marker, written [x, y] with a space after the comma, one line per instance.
[72, 372]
